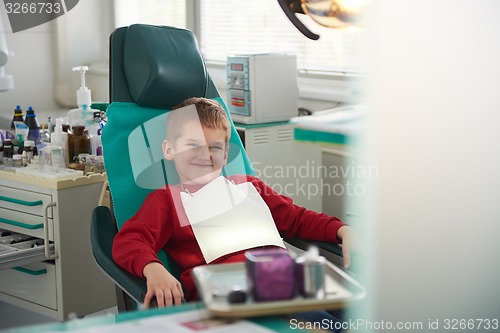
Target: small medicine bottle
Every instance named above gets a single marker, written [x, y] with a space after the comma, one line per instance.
[78, 143]
[67, 129]
[25, 158]
[8, 152]
[17, 160]
[18, 144]
[44, 135]
[28, 148]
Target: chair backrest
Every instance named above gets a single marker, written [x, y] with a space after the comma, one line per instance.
[152, 68]
[157, 66]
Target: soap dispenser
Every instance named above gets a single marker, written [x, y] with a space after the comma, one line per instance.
[83, 115]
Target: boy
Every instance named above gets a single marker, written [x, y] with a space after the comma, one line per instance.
[208, 218]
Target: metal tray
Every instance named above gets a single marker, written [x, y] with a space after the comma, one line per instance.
[214, 282]
[19, 249]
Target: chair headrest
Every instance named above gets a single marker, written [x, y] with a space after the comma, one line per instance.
[163, 65]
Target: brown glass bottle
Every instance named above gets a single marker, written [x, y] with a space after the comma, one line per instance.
[78, 143]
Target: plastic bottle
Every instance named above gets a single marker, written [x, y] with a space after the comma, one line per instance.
[79, 143]
[8, 152]
[99, 151]
[18, 144]
[95, 135]
[33, 125]
[18, 116]
[58, 158]
[1, 151]
[60, 138]
[83, 115]
[49, 126]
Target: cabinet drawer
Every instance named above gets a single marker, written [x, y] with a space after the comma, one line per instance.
[24, 201]
[24, 223]
[35, 283]
[18, 249]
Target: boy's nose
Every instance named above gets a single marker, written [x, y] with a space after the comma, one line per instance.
[204, 152]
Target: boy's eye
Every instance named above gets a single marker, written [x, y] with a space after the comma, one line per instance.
[216, 147]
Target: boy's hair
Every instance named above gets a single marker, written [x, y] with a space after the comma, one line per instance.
[210, 114]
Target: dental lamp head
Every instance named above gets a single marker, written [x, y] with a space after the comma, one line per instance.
[6, 81]
[328, 13]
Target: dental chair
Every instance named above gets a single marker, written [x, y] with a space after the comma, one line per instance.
[152, 69]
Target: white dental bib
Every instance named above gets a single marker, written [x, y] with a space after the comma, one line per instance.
[227, 218]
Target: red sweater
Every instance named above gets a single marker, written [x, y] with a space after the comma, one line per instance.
[157, 225]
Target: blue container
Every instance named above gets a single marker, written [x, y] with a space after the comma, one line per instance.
[33, 125]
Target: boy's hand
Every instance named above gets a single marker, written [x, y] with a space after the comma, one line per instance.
[345, 235]
[162, 285]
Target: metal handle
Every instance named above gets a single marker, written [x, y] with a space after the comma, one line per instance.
[48, 255]
[30, 271]
[335, 152]
[21, 224]
[21, 202]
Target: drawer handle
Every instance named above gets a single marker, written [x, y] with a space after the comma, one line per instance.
[30, 271]
[21, 224]
[22, 202]
[46, 244]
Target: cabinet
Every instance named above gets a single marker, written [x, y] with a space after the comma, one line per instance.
[345, 183]
[289, 167]
[46, 263]
[345, 175]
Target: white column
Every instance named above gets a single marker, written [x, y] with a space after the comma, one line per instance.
[434, 134]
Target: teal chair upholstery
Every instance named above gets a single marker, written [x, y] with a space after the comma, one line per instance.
[152, 69]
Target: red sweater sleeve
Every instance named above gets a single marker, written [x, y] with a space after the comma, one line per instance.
[295, 221]
[141, 237]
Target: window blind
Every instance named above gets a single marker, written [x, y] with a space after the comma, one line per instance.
[229, 27]
[156, 12]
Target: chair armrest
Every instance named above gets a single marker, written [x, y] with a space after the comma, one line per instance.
[331, 251]
[102, 232]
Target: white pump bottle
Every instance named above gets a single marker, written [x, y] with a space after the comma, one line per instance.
[83, 115]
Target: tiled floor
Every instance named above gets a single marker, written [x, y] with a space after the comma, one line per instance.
[12, 316]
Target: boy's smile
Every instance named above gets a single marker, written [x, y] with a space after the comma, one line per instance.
[199, 153]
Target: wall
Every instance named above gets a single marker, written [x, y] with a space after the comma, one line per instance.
[32, 67]
[44, 55]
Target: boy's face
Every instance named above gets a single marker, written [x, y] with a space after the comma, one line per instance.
[199, 154]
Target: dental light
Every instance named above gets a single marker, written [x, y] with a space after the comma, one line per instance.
[328, 13]
[6, 81]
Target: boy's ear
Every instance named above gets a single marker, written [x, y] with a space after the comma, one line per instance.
[168, 152]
